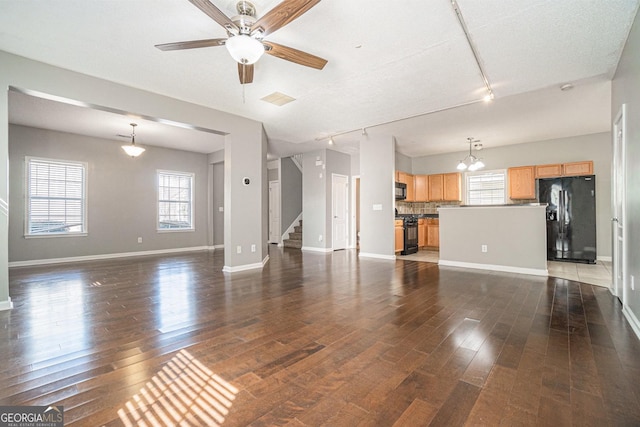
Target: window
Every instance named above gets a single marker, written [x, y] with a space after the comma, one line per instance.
[56, 197]
[485, 188]
[175, 201]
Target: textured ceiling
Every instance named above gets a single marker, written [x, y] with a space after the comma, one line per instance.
[386, 61]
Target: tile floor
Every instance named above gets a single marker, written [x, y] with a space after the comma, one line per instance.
[594, 274]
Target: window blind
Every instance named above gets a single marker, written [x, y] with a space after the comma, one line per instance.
[55, 197]
[486, 188]
[175, 201]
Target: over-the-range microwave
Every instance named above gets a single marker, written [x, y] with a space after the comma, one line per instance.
[401, 191]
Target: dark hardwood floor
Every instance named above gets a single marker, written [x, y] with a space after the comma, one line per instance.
[315, 340]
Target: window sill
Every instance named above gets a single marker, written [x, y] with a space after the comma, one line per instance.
[51, 235]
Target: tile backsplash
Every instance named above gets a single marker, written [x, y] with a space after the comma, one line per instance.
[421, 207]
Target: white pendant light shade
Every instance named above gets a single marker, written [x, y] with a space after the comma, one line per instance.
[471, 162]
[244, 49]
[461, 166]
[133, 150]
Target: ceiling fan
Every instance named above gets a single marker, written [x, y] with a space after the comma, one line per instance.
[246, 42]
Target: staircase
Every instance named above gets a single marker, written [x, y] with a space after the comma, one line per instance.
[295, 238]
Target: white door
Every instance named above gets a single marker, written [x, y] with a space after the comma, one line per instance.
[274, 211]
[618, 202]
[340, 211]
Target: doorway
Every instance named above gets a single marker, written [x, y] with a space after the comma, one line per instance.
[618, 287]
[339, 211]
[274, 212]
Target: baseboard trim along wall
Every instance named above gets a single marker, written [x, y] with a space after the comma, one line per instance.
[218, 246]
[105, 256]
[505, 268]
[245, 267]
[605, 258]
[6, 305]
[312, 249]
[632, 319]
[376, 256]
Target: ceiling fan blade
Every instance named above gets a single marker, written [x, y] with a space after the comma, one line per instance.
[193, 44]
[294, 55]
[214, 13]
[282, 14]
[245, 72]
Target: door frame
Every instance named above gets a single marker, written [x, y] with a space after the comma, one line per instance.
[346, 207]
[354, 212]
[619, 251]
[275, 184]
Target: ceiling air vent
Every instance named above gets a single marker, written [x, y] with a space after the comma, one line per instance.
[279, 99]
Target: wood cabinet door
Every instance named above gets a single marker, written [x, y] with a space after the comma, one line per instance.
[436, 188]
[422, 233]
[422, 187]
[522, 183]
[399, 238]
[452, 187]
[433, 235]
[411, 188]
[548, 171]
[577, 168]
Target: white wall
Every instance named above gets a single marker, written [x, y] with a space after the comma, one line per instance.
[626, 90]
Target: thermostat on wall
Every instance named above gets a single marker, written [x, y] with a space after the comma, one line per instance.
[246, 181]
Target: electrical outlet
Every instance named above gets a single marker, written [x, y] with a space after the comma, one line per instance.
[220, 208]
[139, 239]
[320, 238]
[253, 248]
[633, 285]
[484, 248]
[239, 249]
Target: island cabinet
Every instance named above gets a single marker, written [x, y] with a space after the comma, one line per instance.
[445, 187]
[399, 235]
[421, 188]
[422, 232]
[433, 232]
[522, 182]
[564, 169]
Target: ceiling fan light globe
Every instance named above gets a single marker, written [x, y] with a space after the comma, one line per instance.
[244, 49]
[133, 150]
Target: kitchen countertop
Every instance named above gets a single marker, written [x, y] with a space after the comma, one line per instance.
[429, 215]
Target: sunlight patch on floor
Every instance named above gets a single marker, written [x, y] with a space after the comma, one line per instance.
[184, 392]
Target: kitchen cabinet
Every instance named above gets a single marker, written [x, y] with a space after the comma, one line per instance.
[564, 169]
[452, 187]
[422, 232]
[409, 181]
[421, 188]
[433, 232]
[436, 188]
[399, 235]
[577, 168]
[522, 182]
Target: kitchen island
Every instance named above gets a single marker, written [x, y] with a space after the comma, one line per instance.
[509, 238]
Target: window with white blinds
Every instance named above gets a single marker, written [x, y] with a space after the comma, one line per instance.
[56, 197]
[175, 201]
[485, 188]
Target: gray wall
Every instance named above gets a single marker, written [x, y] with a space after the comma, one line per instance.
[290, 193]
[626, 90]
[596, 147]
[403, 163]
[121, 196]
[377, 172]
[314, 199]
[272, 174]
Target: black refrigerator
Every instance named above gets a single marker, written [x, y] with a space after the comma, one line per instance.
[571, 217]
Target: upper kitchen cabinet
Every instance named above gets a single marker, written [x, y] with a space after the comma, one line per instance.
[452, 187]
[565, 169]
[436, 188]
[422, 188]
[409, 181]
[522, 182]
[445, 187]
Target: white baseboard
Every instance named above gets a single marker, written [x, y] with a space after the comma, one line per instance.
[376, 256]
[104, 256]
[245, 267]
[312, 249]
[6, 305]
[218, 247]
[491, 267]
[604, 258]
[632, 319]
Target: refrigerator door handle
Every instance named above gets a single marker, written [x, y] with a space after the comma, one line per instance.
[561, 212]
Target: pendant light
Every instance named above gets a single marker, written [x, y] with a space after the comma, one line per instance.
[132, 149]
[470, 162]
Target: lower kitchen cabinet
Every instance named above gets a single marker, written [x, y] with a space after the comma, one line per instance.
[399, 235]
[433, 232]
[422, 232]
